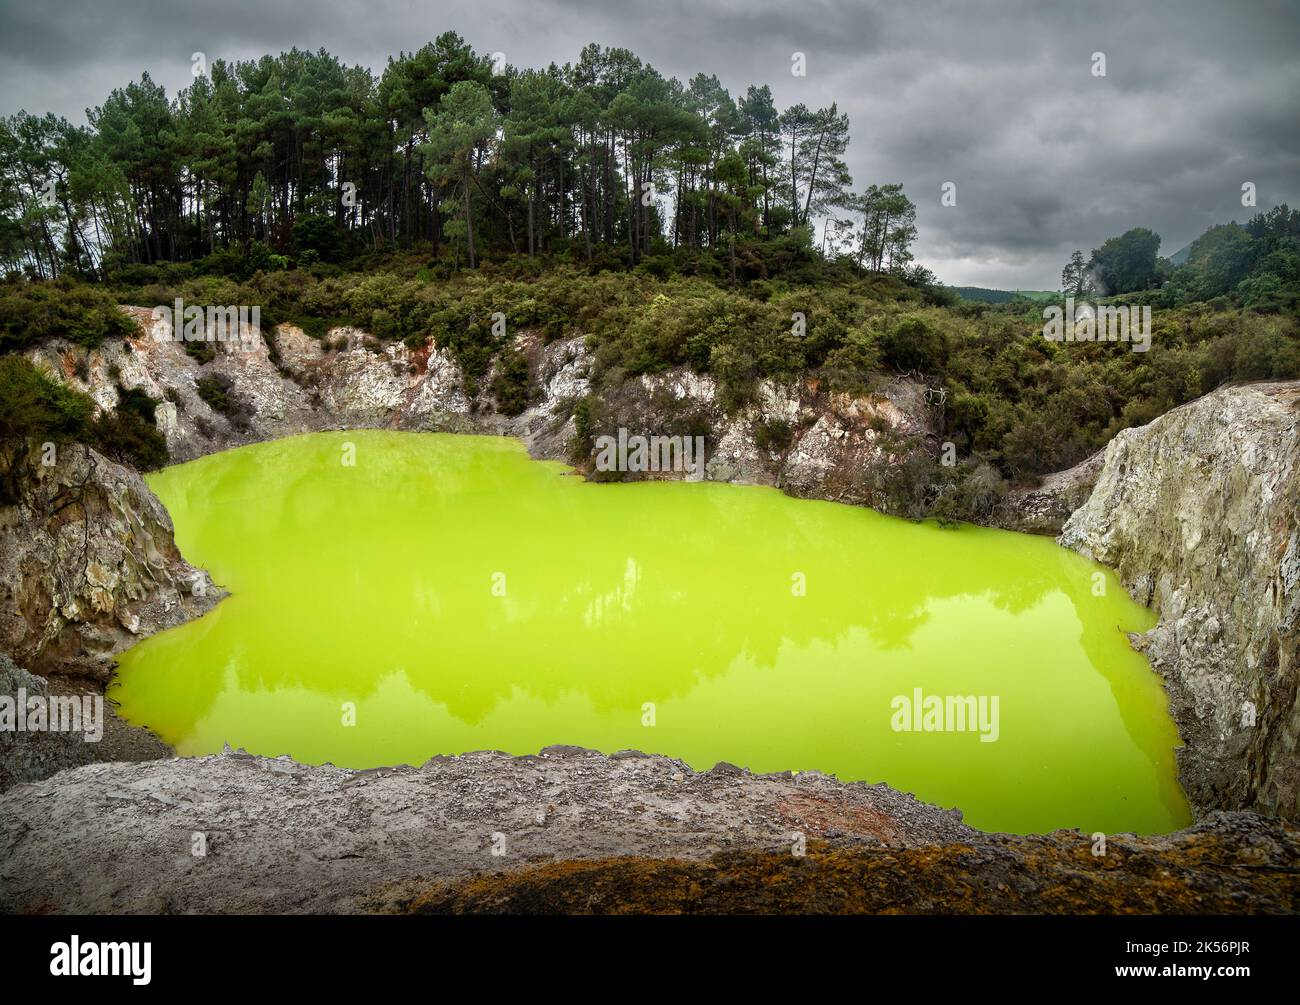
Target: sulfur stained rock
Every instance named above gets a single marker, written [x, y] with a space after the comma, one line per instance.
[1229, 864]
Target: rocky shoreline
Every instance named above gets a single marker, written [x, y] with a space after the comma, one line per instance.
[575, 830]
[1199, 514]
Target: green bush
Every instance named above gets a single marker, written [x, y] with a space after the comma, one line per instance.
[137, 401]
[319, 237]
[967, 493]
[213, 392]
[128, 439]
[510, 383]
[774, 434]
[33, 312]
[1026, 405]
[914, 346]
[34, 406]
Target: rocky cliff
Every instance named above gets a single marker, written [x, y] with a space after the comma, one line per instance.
[1199, 514]
[830, 446]
[88, 565]
[1044, 508]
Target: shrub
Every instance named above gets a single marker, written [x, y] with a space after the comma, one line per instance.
[212, 392]
[138, 401]
[317, 238]
[849, 368]
[33, 312]
[774, 434]
[510, 383]
[913, 345]
[128, 439]
[34, 406]
[969, 493]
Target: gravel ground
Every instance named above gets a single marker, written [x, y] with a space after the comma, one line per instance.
[574, 830]
[284, 837]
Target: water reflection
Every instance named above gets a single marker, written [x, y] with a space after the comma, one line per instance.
[461, 596]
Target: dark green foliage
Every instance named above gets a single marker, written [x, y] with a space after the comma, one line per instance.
[34, 406]
[128, 434]
[136, 401]
[912, 345]
[213, 392]
[1256, 266]
[36, 409]
[510, 384]
[128, 439]
[1028, 406]
[33, 312]
[321, 237]
[1127, 263]
[299, 156]
[586, 418]
[775, 434]
[967, 493]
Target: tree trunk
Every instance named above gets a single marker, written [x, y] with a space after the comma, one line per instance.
[469, 220]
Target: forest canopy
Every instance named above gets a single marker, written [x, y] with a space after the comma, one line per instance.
[298, 155]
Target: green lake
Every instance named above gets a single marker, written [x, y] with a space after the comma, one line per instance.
[442, 593]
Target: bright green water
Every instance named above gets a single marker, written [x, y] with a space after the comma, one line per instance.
[461, 596]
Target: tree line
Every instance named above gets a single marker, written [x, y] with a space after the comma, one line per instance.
[1256, 264]
[304, 156]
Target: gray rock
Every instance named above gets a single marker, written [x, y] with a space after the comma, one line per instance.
[281, 836]
[29, 756]
[1044, 509]
[1199, 514]
[89, 566]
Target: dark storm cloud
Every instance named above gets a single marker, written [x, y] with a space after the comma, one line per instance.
[1198, 98]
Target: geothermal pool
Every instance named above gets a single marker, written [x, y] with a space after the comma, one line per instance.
[400, 595]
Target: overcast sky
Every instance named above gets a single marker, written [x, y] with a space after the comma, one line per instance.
[999, 98]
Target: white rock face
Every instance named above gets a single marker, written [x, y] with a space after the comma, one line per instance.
[823, 445]
[565, 370]
[310, 387]
[1199, 513]
[442, 389]
[792, 435]
[363, 385]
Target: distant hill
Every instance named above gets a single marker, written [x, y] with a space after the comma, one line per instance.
[1001, 296]
[1180, 256]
